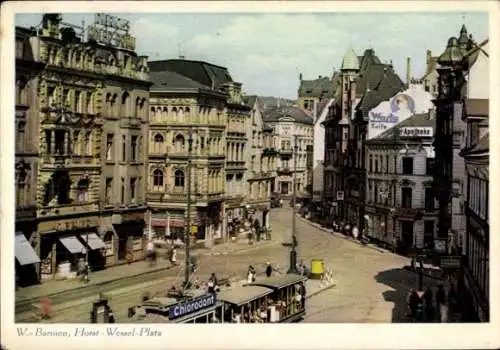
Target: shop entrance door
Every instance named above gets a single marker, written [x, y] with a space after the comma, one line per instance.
[122, 247]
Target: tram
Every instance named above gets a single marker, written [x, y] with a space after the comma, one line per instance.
[267, 300]
[285, 295]
[199, 307]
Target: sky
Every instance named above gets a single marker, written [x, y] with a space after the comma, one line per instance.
[266, 52]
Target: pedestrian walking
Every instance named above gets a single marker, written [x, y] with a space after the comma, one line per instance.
[269, 269]
[355, 232]
[150, 252]
[212, 283]
[173, 257]
[251, 274]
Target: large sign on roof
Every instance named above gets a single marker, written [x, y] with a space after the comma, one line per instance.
[111, 31]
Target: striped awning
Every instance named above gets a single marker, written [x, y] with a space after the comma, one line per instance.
[25, 254]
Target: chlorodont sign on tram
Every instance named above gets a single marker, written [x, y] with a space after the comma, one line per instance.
[191, 306]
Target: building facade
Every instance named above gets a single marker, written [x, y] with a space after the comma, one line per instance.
[27, 148]
[365, 82]
[292, 127]
[181, 109]
[476, 155]
[80, 82]
[401, 211]
[261, 161]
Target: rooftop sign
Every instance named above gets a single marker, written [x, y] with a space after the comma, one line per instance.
[416, 132]
[112, 31]
[191, 306]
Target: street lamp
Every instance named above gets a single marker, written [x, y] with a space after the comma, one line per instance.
[293, 251]
[187, 229]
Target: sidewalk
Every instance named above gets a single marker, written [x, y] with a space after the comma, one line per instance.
[114, 273]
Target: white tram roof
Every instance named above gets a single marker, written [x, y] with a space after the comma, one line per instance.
[240, 295]
[279, 281]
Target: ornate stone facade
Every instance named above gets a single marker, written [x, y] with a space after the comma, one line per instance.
[83, 93]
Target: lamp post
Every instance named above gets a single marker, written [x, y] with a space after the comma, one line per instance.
[187, 233]
[293, 251]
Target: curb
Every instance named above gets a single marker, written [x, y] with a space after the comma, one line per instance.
[321, 290]
[338, 234]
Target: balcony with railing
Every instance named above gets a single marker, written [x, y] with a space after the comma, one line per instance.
[286, 152]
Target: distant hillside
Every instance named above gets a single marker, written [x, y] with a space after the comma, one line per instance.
[273, 101]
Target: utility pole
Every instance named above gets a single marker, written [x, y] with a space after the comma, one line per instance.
[293, 251]
[187, 234]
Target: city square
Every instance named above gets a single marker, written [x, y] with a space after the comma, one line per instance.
[155, 187]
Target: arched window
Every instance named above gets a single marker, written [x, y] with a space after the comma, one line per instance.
[125, 104]
[179, 178]
[180, 115]
[157, 180]
[174, 113]
[82, 191]
[152, 115]
[137, 107]
[179, 143]
[164, 116]
[158, 144]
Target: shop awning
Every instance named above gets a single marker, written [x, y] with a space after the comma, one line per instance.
[25, 253]
[73, 245]
[92, 240]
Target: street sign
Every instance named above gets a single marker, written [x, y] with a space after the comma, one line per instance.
[194, 229]
[340, 195]
[451, 262]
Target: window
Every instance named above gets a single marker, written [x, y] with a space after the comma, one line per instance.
[428, 234]
[78, 101]
[387, 164]
[179, 143]
[430, 166]
[51, 95]
[179, 178]
[123, 191]
[109, 146]
[82, 191]
[157, 180]
[124, 148]
[21, 135]
[88, 145]
[406, 197]
[133, 184]
[59, 142]
[76, 142]
[158, 144]
[109, 190]
[376, 164]
[252, 164]
[370, 163]
[65, 98]
[429, 199]
[134, 148]
[89, 103]
[408, 165]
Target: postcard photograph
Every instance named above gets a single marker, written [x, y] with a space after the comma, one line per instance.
[306, 165]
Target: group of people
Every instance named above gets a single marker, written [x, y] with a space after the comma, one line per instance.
[152, 255]
[427, 306]
[252, 273]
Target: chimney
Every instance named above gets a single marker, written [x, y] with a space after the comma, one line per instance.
[300, 76]
[428, 58]
[315, 111]
[408, 71]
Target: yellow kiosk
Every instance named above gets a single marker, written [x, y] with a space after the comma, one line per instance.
[317, 268]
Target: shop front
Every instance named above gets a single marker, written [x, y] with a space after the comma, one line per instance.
[65, 241]
[130, 238]
[169, 225]
[27, 247]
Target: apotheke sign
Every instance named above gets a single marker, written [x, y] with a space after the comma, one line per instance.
[416, 132]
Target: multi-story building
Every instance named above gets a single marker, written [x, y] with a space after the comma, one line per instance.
[293, 127]
[26, 157]
[81, 81]
[367, 81]
[476, 155]
[316, 97]
[188, 101]
[261, 161]
[401, 210]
